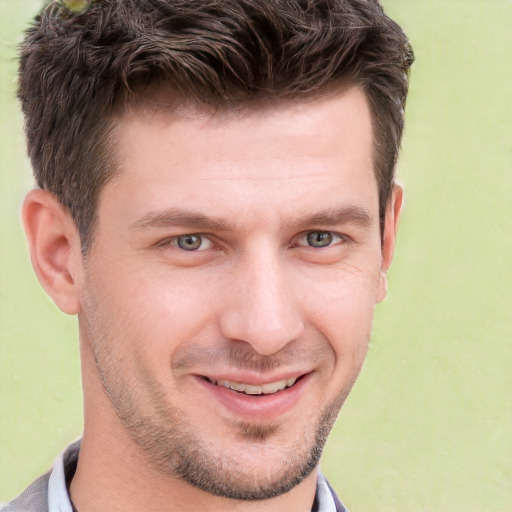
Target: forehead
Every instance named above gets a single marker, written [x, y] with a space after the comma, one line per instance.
[341, 118]
[274, 151]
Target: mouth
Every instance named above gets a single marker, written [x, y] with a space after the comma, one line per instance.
[269, 388]
[248, 398]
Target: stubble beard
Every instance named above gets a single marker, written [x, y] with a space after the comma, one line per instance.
[173, 446]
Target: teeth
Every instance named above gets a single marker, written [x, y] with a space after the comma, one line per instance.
[235, 386]
[249, 389]
[273, 387]
[253, 390]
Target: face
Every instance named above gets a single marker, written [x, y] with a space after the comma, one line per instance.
[229, 293]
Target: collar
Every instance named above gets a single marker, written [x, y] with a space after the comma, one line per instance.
[61, 475]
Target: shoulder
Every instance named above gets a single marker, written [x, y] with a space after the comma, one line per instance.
[33, 499]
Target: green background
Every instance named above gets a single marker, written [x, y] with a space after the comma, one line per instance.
[428, 426]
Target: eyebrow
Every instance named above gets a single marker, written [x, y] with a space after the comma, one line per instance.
[351, 214]
[184, 218]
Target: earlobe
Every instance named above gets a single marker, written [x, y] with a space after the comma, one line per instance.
[54, 247]
[393, 211]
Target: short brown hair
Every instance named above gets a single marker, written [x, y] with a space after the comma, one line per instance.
[76, 71]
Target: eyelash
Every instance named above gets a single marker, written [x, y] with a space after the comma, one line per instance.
[335, 239]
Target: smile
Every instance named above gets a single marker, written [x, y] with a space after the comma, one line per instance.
[251, 389]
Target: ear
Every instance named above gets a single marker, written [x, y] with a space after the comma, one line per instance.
[393, 210]
[54, 247]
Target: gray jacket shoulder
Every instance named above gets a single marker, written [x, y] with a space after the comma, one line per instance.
[33, 499]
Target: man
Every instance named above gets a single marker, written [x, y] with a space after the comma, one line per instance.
[216, 204]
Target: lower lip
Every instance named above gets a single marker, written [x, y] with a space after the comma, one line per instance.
[263, 407]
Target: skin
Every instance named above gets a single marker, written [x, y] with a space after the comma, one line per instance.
[253, 303]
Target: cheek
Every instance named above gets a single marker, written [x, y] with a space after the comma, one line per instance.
[342, 308]
[138, 321]
[162, 308]
[344, 317]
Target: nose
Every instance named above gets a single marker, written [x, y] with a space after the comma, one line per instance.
[262, 309]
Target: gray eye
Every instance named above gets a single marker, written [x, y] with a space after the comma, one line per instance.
[189, 242]
[319, 238]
